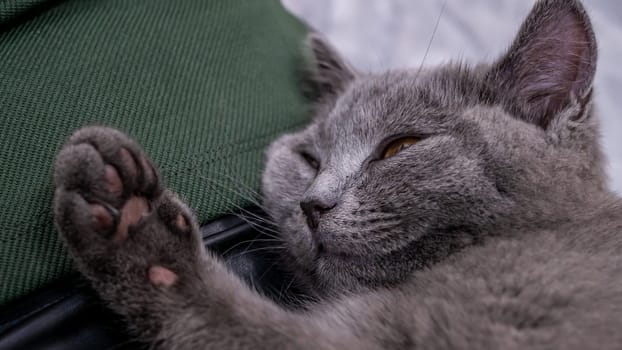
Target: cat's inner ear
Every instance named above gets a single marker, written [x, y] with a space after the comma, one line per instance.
[550, 64]
[328, 73]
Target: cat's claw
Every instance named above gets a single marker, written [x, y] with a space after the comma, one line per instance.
[114, 214]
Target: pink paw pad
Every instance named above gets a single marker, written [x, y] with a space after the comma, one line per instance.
[160, 276]
[133, 210]
[181, 223]
[113, 181]
[103, 220]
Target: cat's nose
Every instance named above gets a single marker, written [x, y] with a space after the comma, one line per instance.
[313, 209]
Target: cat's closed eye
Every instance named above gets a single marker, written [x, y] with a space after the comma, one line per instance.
[313, 163]
[397, 146]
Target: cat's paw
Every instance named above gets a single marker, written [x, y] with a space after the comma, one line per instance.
[122, 227]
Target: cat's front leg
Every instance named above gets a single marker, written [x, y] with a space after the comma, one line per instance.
[140, 248]
[134, 240]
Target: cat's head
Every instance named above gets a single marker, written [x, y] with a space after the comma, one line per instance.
[397, 170]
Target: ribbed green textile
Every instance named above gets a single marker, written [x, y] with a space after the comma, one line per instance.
[203, 85]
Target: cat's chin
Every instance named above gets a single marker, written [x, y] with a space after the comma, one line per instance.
[330, 267]
[324, 251]
[336, 274]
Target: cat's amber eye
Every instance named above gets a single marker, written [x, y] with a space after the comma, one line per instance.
[310, 160]
[398, 145]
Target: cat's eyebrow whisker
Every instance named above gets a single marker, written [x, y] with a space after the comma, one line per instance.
[427, 50]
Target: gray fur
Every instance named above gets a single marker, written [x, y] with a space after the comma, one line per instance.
[497, 230]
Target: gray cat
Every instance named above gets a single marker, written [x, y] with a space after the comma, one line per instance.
[451, 208]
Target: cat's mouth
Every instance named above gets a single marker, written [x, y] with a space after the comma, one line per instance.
[319, 246]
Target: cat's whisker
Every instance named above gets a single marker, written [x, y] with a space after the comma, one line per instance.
[253, 201]
[257, 222]
[228, 176]
[254, 220]
[268, 270]
[250, 243]
[281, 246]
[221, 175]
[223, 189]
[259, 225]
[234, 246]
[242, 209]
[261, 249]
[283, 291]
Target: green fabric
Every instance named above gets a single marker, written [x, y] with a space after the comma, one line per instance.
[203, 85]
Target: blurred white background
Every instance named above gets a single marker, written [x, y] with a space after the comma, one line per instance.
[376, 35]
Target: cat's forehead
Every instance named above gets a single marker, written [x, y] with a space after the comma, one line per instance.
[379, 106]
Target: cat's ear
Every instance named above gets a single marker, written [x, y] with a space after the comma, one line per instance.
[551, 62]
[327, 73]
